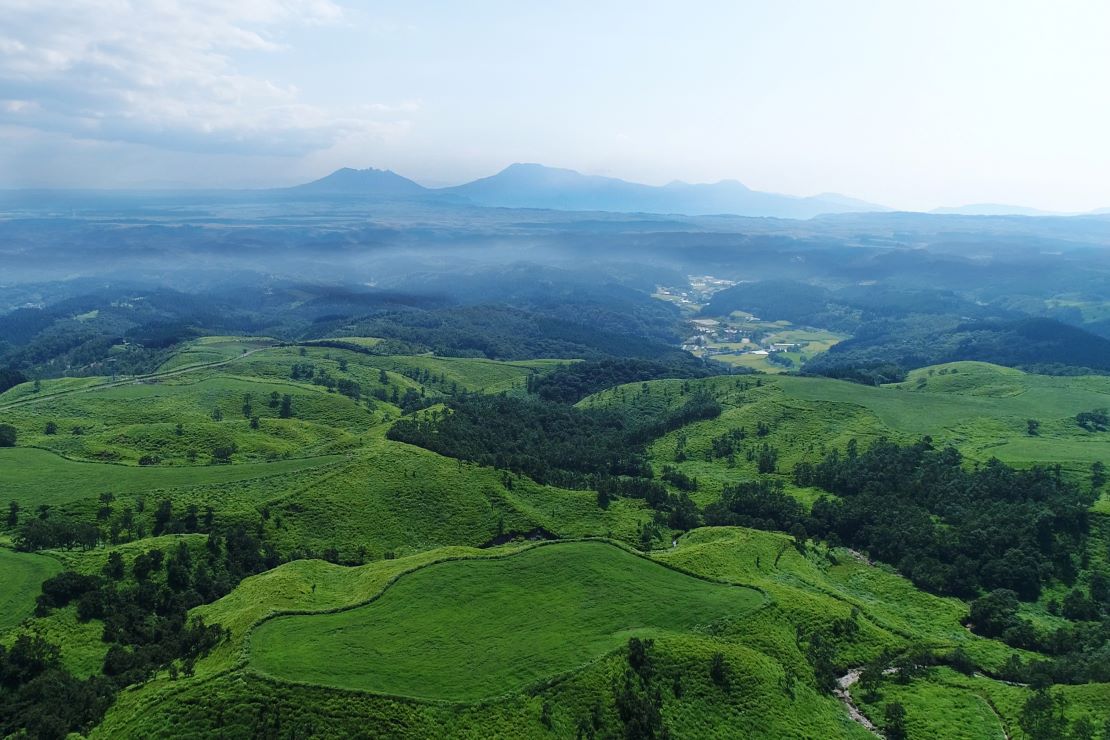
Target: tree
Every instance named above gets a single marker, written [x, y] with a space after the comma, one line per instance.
[7, 435]
[639, 657]
[286, 410]
[993, 614]
[254, 422]
[13, 513]
[114, 567]
[1032, 427]
[222, 455]
[162, 516]
[961, 661]
[870, 679]
[719, 670]
[894, 721]
[1100, 587]
[51, 428]
[217, 414]
[1083, 729]
[798, 532]
[1042, 716]
[1098, 475]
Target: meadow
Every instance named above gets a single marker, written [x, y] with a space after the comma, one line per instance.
[471, 629]
[433, 628]
[34, 477]
[20, 586]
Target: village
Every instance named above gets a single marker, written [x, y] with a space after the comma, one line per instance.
[742, 339]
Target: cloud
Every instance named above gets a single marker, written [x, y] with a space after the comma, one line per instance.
[163, 73]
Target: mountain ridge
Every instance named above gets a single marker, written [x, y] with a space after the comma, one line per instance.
[531, 185]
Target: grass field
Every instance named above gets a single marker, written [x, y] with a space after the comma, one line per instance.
[356, 342]
[465, 630]
[33, 476]
[207, 350]
[433, 617]
[124, 423]
[980, 409]
[23, 574]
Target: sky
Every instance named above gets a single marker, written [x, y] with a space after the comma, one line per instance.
[909, 104]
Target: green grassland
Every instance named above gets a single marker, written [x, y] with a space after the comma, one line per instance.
[124, 423]
[318, 650]
[358, 343]
[226, 692]
[471, 374]
[466, 630]
[335, 649]
[945, 703]
[50, 386]
[397, 498]
[20, 586]
[35, 476]
[207, 350]
[980, 409]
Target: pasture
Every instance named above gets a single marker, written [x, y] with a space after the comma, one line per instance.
[469, 629]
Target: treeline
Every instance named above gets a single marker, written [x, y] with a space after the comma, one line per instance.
[949, 529]
[10, 378]
[1077, 651]
[549, 442]
[47, 530]
[503, 333]
[572, 382]
[144, 609]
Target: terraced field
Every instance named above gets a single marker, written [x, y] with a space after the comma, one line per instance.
[470, 629]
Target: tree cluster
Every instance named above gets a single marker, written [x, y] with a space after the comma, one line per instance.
[950, 529]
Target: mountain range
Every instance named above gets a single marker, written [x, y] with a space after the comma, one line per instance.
[537, 186]
[552, 188]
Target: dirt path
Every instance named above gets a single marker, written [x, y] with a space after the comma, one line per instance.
[131, 380]
[994, 710]
[843, 692]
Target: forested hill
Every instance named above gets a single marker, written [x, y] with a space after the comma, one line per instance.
[883, 351]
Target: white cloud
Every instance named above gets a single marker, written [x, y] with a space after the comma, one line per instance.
[163, 72]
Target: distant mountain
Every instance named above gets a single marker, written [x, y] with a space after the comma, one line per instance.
[991, 209]
[537, 186]
[370, 181]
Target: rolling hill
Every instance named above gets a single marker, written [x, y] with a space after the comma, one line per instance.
[392, 589]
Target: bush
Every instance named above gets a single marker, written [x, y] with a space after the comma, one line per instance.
[7, 435]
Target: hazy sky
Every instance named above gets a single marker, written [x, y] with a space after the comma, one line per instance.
[909, 104]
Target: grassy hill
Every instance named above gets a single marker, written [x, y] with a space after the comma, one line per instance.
[426, 623]
[440, 633]
[344, 615]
